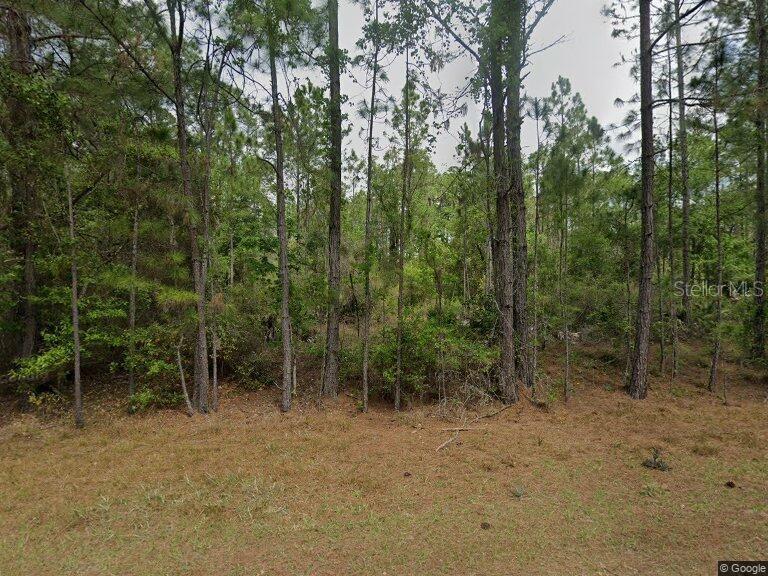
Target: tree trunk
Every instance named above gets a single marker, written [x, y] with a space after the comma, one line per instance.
[231, 260]
[79, 421]
[514, 122]
[210, 103]
[200, 391]
[282, 233]
[442, 391]
[564, 299]
[401, 245]
[464, 254]
[215, 386]
[660, 289]
[682, 137]
[504, 224]
[761, 249]
[627, 297]
[19, 133]
[717, 344]
[132, 304]
[536, 226]
[331, 368]
[670, 217]
[368, 204]
[179, 363]
[638, 385]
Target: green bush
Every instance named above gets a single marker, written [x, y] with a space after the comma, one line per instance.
[431, 346]
[154, 398]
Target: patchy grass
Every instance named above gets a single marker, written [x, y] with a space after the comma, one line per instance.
[248, 491]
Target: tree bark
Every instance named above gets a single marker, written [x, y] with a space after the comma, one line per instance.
[19, 133]
[717, 343]
[331, 368]
[504, 224]
[536, 226]
[627, 296]
[564, 299]
[282, 233]
[514, 122]
[401, 244]
[670, 216]
[215, 366]
[761, 248]
[490, 189]
[231, 260]
[682, 138]
[79, 421]
[132, 304]
[638, 385]
[180, 364]
[368, 204]
[200, 391]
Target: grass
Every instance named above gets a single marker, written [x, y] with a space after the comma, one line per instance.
[248, 491]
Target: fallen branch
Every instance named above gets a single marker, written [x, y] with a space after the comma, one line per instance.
[444, 444]
[468, 428]
[492, 414]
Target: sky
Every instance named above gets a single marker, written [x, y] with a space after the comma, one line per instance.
[587, 56]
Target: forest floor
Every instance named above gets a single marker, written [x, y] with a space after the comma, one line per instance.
[331, 491]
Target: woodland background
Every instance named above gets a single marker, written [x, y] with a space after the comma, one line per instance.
[177, 203]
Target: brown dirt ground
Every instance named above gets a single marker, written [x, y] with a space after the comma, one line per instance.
[249, 491]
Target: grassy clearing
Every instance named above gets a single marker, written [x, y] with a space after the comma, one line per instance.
[248, 491]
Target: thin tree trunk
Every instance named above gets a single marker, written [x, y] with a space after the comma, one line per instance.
[282, 233]
[79, 421]
[441, 387]
[355, 301]
[662, 333]
[464, 256]
[187, 401]
[536, 226]
[215, 387]
[210, 104]
[200, 392]
[564, 297]
[368, 204]
[717, 344]
[761, 248]
[638, 385]
[682, 137]
[298, 194]
[670, 216]
[490, 273]
[331, 368]
[231, 260]
[401, 244]
[628, 298]
[30, 283]
[132, 304]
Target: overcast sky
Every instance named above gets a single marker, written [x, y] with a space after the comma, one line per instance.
[587, 57]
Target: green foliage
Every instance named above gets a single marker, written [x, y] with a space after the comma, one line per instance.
[54, 360]
[433, 348]
[100, 121]
[147, 398]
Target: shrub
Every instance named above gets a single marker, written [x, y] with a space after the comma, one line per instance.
[154, 398]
